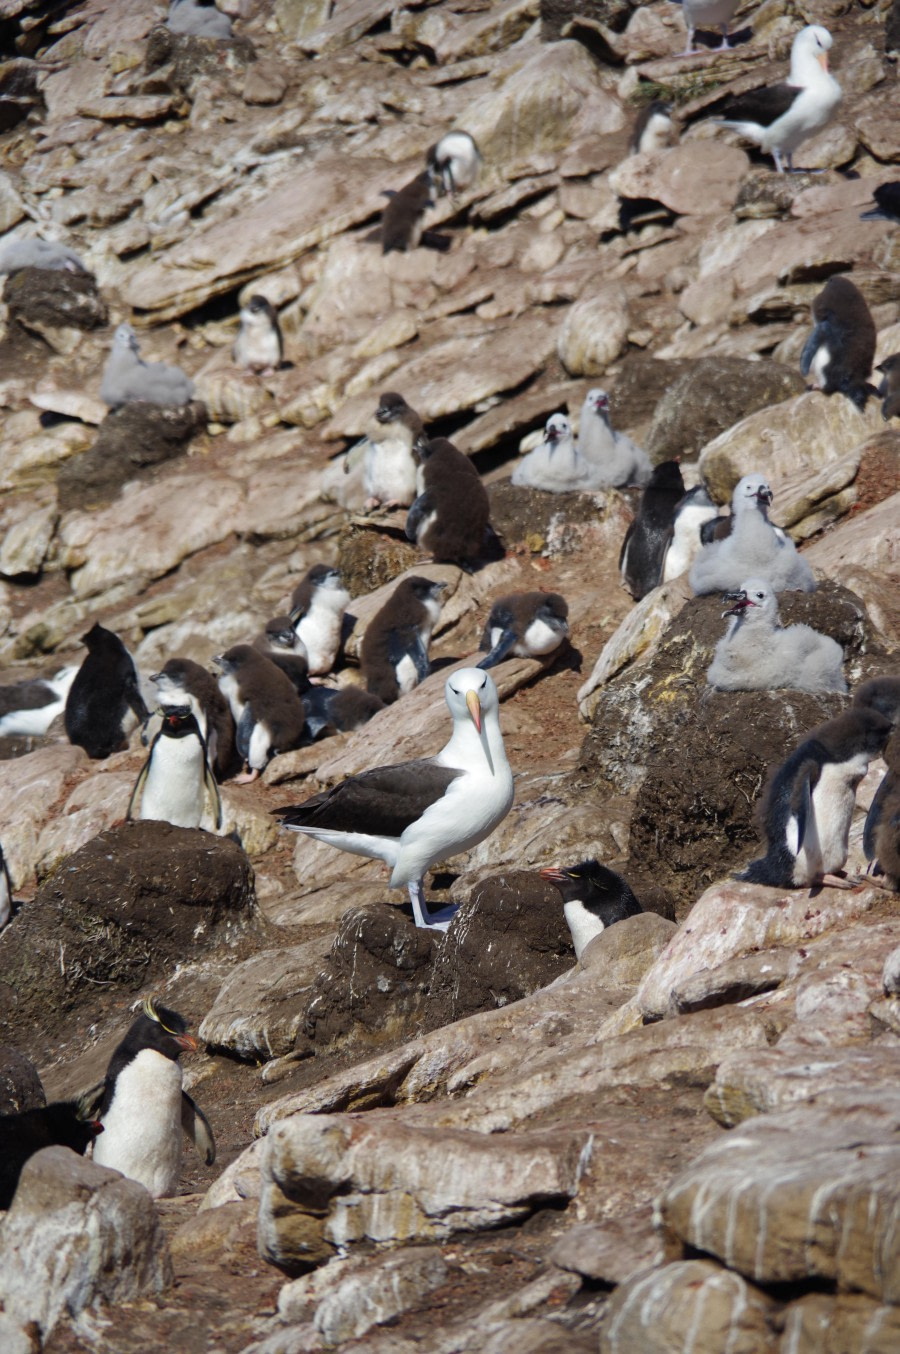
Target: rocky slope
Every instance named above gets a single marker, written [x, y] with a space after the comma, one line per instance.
[470, 1142]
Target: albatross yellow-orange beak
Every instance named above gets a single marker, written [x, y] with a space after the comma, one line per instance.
[474, 705]
[822, 59]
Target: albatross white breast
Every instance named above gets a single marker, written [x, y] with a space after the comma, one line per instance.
[415, 813]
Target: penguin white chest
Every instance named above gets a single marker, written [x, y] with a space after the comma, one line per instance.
[389, 473]
[541, 638]
[320, 632]
[142, 1128]
[824, 846]
[257, 346]
[819, 366]
[582, 924]
[407, 675]
[174, 789]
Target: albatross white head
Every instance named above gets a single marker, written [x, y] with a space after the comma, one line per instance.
[475, 705]
[811, 46]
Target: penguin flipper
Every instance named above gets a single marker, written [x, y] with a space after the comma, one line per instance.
[416, 515]
[196, 1127]
[623, 553]
[803, 802]
[214, 795]
[138, 786]
[244, 731]
[874, 816]
[136, 701]
[499, 651]
[821, 334]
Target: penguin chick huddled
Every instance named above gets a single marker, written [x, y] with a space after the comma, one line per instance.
[338, 709]
[61, 1124]
[184, 682]
[754, 549]
[615, 459]
[524, 625]
[175, 779]
[841, 348]
[144, 1110]
[318, 604]
[128, 379]
[653, 129]
[594, 898]
[889, 387]
[193, 18]
[268, 714]
[693, 512]
[389, 466]
[454, 163]
[644, 546]
[282, 645]
[105, 690]
[403, 219]
[259, 346]
[394, 650]
[451, 514]
[757, 653]
[555, 465]
[808, 802]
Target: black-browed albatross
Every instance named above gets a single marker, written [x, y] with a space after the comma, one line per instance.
[415, 813]
[779, 117]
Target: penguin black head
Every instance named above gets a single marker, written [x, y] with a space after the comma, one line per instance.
[667, 475]
[553, 608]
[97, 639]
[881, 694]
[179, 721]
[599, 891]
[258, 305]
[280, 632]
[157, 1028]
[391, 406]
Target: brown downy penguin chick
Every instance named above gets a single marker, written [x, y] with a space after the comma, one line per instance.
[318, 604]
[389, 466]
[338, 709]
[61, 1124]
[281, 643]
[394, 650]
[654, 129]
[841, 348]
[268, 714]
[889, 389]
[452, 512]
[183, 682]
[259, 346]
[524, 625]
[881, 694]
[105, 688]
[881, 835]
[403, 219]
[808, 803]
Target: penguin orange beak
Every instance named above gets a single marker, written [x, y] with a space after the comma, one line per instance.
[474, 707]
[186, 1041]
[554, 876]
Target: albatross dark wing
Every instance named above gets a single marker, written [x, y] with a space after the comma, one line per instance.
[382, 802]
[762, 106]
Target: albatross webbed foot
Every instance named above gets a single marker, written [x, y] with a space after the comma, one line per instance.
[438, 920]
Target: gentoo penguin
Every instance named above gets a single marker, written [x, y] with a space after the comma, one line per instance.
[338, 709]
[196, 19]
[691, 515]
[641, 556]
[555, 464]
[617, 460]
[452, 512]
[403, 219]
[807, 805]
[887, 204]
[524, 625]
[184, 682]
[889, 389]
[128, 379]
[268, 714]
[453, 163]
[28, 709]
[389, 467]
[415, 813]
[394, 650]
[280, 642]
[654, 129]
[105, 688]
[28, 253]
[780, 117]
[61, 1124]
[318, 604]
[754, 549]
[6, 893]
[707, 14]
[594, 897]
[144, 1109]
[173, 782]
[758, 654]
[841, 348]
[259, 346]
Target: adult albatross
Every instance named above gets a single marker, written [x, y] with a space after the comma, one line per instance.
[415, 813]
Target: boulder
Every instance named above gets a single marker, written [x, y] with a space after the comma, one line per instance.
[593, 332]
[77, 1235]
[43, 300]
[121, 911]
